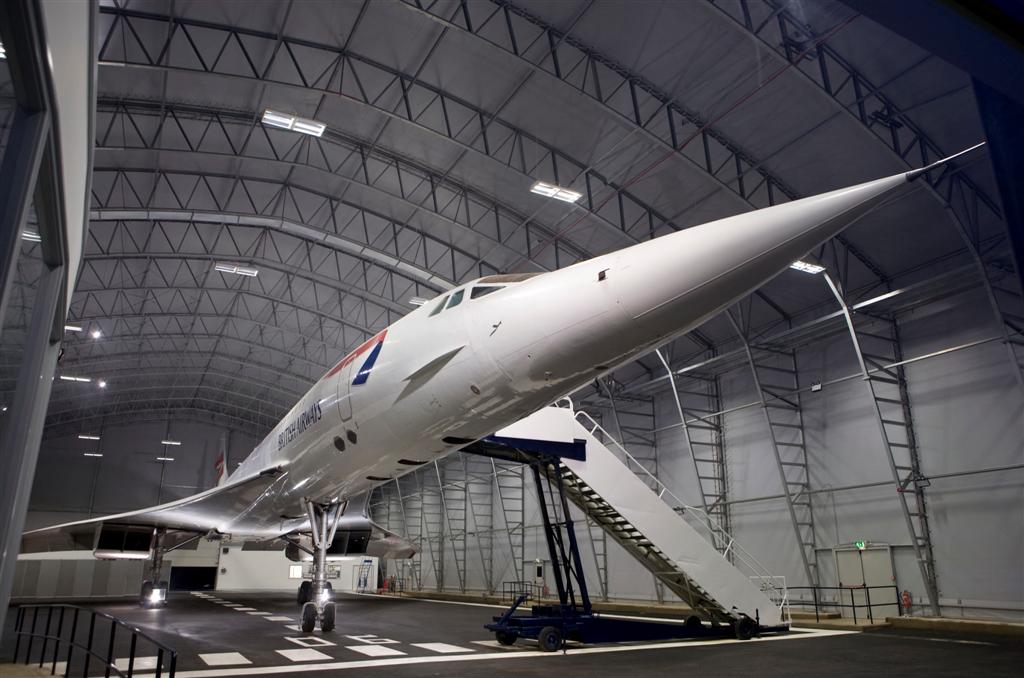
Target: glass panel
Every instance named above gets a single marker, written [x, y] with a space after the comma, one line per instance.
[483, 291]
[437, 309]
[456, 299]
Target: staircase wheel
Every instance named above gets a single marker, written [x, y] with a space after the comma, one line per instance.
[693, 622]
[550, 639]
[746, 628]
[506, 637]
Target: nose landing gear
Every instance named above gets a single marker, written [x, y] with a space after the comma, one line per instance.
[315, 595]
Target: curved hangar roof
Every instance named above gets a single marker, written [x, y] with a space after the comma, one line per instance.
[356, 155]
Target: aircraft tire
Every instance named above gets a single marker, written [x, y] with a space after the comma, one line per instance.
[327, 619]
[693, 622]
[305, 593]
[308, 617]
[746, 629]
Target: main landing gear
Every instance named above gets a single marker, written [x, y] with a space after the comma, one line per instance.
[154, 591]
[315, 596]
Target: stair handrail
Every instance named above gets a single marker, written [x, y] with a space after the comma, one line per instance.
[739, 553]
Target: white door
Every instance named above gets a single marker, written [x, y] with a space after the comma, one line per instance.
[862, 568]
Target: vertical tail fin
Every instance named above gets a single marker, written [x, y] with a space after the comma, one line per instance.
[221, 465]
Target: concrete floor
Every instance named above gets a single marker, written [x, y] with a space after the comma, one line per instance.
[236, 634]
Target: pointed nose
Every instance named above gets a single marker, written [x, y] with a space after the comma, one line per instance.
[671, 284]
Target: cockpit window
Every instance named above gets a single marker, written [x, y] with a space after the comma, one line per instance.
[456, 299]
[482, 290]
[437, 309]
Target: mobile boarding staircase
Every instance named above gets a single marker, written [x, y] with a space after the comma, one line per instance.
[685, 550]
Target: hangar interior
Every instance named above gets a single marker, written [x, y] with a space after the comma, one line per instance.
[868, 407]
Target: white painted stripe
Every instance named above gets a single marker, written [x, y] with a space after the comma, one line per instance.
[491, 656]
[303, 655]
[928, 638]
[443, 648]
[223, 659]
[140, 663]
[245, 609]
[278, 618]
[375, 650]
[258, 613]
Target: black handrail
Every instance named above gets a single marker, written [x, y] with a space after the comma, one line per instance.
[162, 651]
[510, 590]
[853, 605]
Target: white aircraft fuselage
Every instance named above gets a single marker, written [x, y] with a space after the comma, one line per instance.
[438, 379]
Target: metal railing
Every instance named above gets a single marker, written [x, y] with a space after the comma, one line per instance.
[724, 542]
[511, 590]
[48, 624]
[821, 604]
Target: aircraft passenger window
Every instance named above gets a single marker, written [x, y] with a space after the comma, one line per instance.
[482, 291]
[437, 309]
[456, 299]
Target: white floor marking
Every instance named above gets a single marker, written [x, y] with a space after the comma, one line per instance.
[232, 605]
[372, 639]
[375, 650]
[305, 655]
[310, 641]
[224, 659]
[442, 648]
[484, 656]
[278, 618]
[140, 663]
[293, 627]
[929, 638]
[245, 609]
[258, 613]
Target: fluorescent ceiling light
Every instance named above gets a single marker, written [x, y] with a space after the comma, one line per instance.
[171, 442]
[91, 454]
[72, 328]
[236, 269]
[806, 267]
[87, 437]
[65, 377]
[165, 458]
[3, 52]
[296, 124]
[417, 301]
[556, 192]
[30, 236]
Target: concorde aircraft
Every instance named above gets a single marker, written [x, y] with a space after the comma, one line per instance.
[468, 363]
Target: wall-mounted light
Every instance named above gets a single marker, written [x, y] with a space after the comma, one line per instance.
[556, 192]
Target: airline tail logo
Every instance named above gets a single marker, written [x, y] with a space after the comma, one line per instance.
[373, 345]
[219, 467]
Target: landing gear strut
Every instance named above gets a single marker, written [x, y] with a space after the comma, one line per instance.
[315, 595]
[154, 591]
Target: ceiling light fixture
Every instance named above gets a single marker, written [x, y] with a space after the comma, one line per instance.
[170, 442]
[556, 192]
[806, 267]
[87, 437]
[236, 269]
[65, 377]
[30, 236]
[91, 454]
[72, 328]
[3, 52]
[165, 458]
[102, 383]
[294, 123]
[96, 333]
[417, 301]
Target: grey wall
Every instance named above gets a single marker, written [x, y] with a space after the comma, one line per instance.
[69, 486]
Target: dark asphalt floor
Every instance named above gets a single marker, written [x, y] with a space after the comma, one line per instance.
[407, 637]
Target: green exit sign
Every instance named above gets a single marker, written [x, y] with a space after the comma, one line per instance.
[861, 545]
